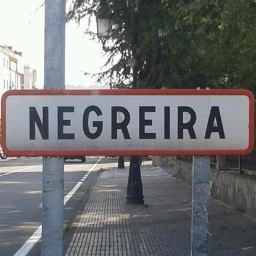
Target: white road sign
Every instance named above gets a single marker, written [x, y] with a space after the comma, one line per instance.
[127, 122]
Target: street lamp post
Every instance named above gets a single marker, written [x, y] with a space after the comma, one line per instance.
[134, 186]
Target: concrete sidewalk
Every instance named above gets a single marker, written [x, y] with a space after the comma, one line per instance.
[110, 227]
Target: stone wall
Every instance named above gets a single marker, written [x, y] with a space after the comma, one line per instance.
[183, 171]
[164, 161]
[236, 190]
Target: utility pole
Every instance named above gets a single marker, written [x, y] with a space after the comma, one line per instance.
[53, 167]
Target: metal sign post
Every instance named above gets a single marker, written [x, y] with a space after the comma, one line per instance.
[200, 205]
[53, 167]
[126, 123]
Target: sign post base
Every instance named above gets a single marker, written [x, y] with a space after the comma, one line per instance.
[200, 205]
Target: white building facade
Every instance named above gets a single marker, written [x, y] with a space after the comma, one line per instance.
[11, 69]
[13, 74]
[29, 78]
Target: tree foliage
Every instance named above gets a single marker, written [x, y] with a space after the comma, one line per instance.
[221, 38]
[131, 39]
[177, 43]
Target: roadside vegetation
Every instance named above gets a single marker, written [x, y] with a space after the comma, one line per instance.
[174, 43]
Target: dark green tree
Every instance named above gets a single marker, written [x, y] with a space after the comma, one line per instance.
[177, 43]
[215, 42]
[134, 37]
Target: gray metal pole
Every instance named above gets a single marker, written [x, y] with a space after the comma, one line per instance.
[53, 167]
[200, 205]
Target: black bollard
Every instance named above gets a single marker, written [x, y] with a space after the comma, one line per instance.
[120, 162]
[134, 187]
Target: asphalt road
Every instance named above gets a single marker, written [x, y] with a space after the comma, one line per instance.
[21, 197]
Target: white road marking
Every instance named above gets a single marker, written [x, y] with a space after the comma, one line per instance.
[29, 244]
[19, 170]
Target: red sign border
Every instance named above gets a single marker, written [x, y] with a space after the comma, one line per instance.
[146, 92]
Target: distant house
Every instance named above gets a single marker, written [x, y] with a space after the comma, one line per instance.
[29, 78]
[13, 74]
[11, 69]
